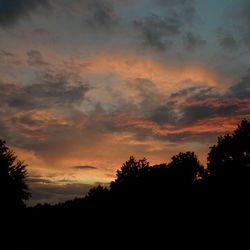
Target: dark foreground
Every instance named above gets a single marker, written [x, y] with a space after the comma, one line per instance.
[176, 205]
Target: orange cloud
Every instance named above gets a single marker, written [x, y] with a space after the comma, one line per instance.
[131, 66]
[214, 124]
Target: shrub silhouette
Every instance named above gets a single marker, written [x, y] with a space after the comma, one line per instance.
[13, 188]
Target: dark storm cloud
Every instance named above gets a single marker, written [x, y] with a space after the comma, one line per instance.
[11, 11]
[35, 58]
[84, 167]
[51, 90]
[192, 42]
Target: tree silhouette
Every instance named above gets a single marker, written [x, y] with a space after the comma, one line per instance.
[185, 168]
[13, 188]
[228, 178]
[97, 194]
[131, 174]
[230, 157]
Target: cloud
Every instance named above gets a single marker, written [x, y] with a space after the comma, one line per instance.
[6, 53]
[188, 114]
[171, 3]
[47, 115]
[50, 91]
[242, 89]
[11, 11]
[84, 167]
[145, 93]
[183, 106]
[192, 42]
[183, 10]
[228, 43]
[95, 14]
[196, 104]
[194, 113]
[242, 14]
[101, 13]
[156, 31]
[38, 36]
[9, 59]
[161, 31]
[35, 59]
[163, 114]
[43, 115]
[235, 35]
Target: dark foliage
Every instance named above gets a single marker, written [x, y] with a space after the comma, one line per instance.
[229, 165]
[231, 155]
[13, 192]
[179, 202]
[13, 188]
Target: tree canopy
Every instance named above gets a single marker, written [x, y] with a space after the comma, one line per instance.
[230, 157]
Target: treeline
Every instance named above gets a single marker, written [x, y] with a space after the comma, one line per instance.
[225, 178]
[174, 196]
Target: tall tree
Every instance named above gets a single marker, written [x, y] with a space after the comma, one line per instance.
[13, 187]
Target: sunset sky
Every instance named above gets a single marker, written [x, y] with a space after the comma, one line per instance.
[84, 84]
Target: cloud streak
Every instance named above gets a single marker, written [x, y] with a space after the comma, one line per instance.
[84, 167]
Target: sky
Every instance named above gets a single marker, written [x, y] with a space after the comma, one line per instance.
[84, 84]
